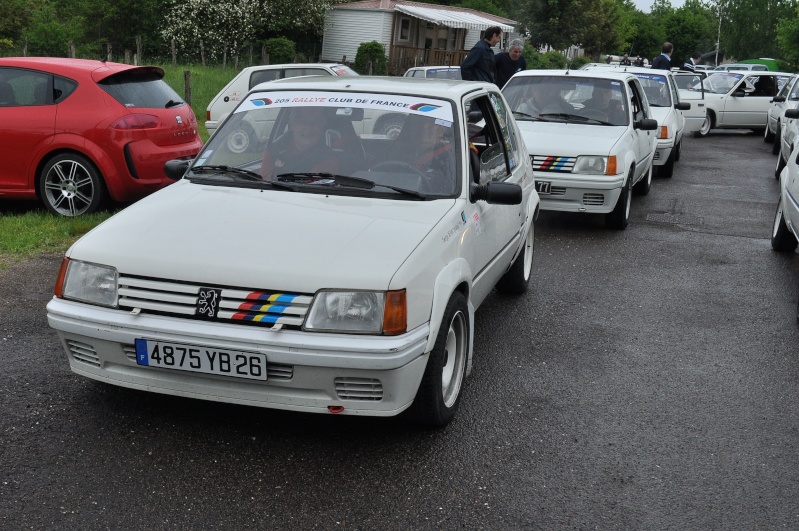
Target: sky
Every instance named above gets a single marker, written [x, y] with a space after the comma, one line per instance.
[645, 5]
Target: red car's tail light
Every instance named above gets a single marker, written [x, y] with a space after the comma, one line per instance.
[136, 121]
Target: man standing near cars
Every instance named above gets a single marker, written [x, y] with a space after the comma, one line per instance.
[625, 61]
[479, 64]
[690, 64]
[510, 62]
[663, 61]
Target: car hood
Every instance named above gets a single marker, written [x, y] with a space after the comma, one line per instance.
[564, 140]
[262, 239]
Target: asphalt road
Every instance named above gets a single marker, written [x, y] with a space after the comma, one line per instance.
[648, 380]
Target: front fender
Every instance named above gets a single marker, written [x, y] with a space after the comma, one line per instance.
[456, 275]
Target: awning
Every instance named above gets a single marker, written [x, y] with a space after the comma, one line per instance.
[451, 18]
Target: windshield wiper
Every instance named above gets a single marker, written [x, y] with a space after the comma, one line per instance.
[326, 179]
[246, 174]
[173, 103]
[524, 115]
[564, 116]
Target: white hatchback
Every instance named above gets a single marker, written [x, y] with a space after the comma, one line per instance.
[434, 72]
[664, 102]
[785, 229]
[333, 271]
[238, 87]
[591, 135]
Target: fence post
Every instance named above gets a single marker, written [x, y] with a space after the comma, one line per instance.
[71, 49]
[264, 55]
[224, 58]
[250, 55]
[127, 57]
[108, 55]
[174, 54]
[202, 52]
[139, 52]
[187, 86]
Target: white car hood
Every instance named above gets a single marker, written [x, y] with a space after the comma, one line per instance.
[568, 140]
[262, 239]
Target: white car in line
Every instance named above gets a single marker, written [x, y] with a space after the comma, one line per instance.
[785, 230]
[664, 102]
[735, 99]
[592, 137]
[237, 89]
[786, 98]
[434, 72]
[332, 272]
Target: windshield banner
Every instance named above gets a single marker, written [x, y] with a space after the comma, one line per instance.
[407, 104]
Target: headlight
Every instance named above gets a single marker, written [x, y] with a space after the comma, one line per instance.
[360, 312]
[91, 283]
[594, 165]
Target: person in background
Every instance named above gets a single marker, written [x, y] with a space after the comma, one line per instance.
[638, 61]
[625, 61]
[663, 61]
[510, 62]
[690, 64]
[479, 63]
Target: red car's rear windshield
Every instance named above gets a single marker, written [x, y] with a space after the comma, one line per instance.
[141, 89]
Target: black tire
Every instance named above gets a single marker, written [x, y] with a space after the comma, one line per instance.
[517, 278]
[797, 312]
[620, 216]
[390, 125]
[678, 151]
[780, 165]
[707, 125]
[70, 185]
[782, 239]
[439, 392]
[242, 139]
[768, 136]
[643, 186]
[667, 170]
[775, 149]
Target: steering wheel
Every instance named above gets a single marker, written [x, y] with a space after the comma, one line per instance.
[397, 164]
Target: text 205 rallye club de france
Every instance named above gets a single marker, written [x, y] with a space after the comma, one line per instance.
[330, 267]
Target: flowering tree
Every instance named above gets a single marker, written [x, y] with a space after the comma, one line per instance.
[227, 24]
[220, 25]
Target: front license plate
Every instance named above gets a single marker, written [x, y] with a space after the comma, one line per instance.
[193, 358]
[543, 187]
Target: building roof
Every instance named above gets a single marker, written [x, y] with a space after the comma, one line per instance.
[452, 17]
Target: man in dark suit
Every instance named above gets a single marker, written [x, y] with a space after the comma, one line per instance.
[663, 61]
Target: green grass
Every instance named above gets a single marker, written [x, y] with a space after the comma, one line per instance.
[28, 231]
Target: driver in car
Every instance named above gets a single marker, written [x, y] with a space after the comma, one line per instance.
[602, 100]
[302, 148]
[427, 146]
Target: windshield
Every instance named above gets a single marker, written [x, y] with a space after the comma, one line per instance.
[656, 87]
[336, 142]
[571, 99]
[688, 81]
[721, 83]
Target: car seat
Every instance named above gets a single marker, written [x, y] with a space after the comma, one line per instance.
[7, 97]
[341, 137]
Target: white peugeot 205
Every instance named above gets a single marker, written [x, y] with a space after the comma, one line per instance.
[785, 230]
[591, 135]
[333, 269]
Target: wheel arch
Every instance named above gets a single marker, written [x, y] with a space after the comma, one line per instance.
[455, 276]
[61, 151]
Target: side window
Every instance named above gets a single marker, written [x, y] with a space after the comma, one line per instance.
[785, 90]
[487, 150]
[637, 102]
[506, 127]
[261, 76]
[675, 94]
[295, 72]
[20, 87]
[62, 88]
[794, 91]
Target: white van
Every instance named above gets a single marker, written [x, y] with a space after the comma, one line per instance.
[230, 96]
[741, 66]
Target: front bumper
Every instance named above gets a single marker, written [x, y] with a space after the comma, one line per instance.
[580, 193]
[663, 151]
[364, 375]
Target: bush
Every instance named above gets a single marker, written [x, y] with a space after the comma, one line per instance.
[539, 61]
[374, 52]
[280, 50]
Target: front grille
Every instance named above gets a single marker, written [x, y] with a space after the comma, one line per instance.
[594, 199]
[557, 190]
[359, 389]
[83, 352]
[274, 371]
[550, 163]
[242, 305]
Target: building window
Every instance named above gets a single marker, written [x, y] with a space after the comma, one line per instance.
[404, 29]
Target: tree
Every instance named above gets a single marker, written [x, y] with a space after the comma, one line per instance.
[788, 38]
[690, 28]
[49, 35]
[371, 59]
[555, 23]
[749, 27]
[598, 32]
[486, 6]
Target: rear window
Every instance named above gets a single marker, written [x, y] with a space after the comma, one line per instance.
[140, 89]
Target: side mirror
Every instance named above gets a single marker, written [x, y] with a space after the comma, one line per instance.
[496, 193]
[792, 113]
[683, 106]
[647, 124]
[778, 99]
[175, 169]
[740, 93]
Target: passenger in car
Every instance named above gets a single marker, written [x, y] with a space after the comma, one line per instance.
[427, 145]
[544, 98]
[302, 148]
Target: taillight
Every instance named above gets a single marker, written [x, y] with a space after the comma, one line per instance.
[136, 121]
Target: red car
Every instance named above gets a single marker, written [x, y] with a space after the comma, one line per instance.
[76, 132]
